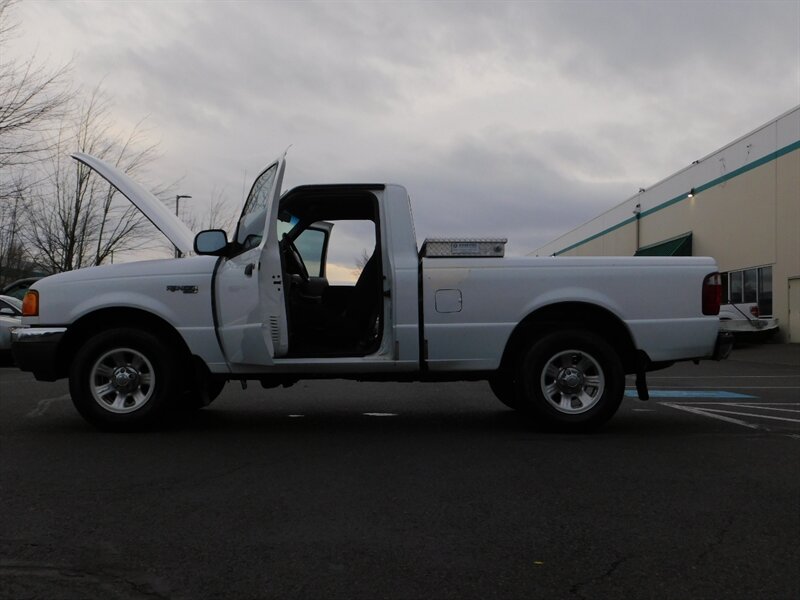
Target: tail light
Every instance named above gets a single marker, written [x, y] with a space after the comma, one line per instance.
[30, 304]
[712, 294]
[754, 311]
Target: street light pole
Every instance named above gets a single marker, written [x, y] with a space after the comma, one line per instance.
[177, 210]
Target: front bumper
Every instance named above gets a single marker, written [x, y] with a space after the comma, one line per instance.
[35, 349]
[724, 345]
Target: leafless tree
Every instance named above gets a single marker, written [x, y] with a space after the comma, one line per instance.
[12, 250]
[32, 99]
[77, 219]
[361, 261]
[199, 214]
[219, 213]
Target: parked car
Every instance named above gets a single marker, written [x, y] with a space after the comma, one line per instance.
[746, 324]
[10, 317]
[16, 289]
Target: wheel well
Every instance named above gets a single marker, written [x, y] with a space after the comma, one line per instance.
[577, 315]
[112, 318]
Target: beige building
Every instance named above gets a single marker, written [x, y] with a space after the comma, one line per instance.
[740, 204]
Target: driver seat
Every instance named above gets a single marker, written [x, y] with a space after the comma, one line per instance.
[365, 303]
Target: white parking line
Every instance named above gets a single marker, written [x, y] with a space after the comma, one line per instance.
[770, 407]
[380, 414]
[719, 410]
[43, 405]
[698, 411]
[757, 416]
[734, 387]
[724, 377]
[754, 404]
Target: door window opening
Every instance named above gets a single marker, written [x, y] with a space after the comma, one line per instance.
[333, 271]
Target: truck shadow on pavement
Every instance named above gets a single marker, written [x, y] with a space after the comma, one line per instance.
[365, 419]
[493, 422]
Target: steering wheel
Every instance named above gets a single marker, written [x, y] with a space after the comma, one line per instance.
[299, 267]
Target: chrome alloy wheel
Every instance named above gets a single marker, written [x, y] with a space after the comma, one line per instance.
[122, 380]
[572, 382]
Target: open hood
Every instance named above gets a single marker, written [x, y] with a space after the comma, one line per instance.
[159, 215]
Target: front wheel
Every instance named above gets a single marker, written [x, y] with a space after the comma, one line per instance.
[571, 380]
[124, 379]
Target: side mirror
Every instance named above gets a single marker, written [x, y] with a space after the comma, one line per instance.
[7, 312]
[212, 242]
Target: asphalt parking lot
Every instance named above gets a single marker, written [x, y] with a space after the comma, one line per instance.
[361, 490]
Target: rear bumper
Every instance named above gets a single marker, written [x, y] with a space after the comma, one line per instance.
[724, 345]
[35, 349]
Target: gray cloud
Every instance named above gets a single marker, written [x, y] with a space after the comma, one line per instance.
[518, 119]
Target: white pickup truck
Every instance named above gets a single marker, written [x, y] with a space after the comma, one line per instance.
[553, 336]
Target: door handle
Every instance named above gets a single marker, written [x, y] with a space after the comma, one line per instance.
[248, 270]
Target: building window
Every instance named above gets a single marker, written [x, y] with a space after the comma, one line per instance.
[725, 288]
[749, 286]
[765, 291]
[735, 295]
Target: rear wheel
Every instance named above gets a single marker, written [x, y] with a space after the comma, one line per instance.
[124, 379]
[571, 380]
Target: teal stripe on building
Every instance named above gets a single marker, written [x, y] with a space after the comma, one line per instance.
[772, 156]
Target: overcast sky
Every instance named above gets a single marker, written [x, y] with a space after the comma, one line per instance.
[521, 120]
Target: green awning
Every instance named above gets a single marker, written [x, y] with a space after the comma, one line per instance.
[679, 246]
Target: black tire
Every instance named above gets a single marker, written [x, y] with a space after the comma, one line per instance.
[125, 379]
[505, 388]
[571, 380]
